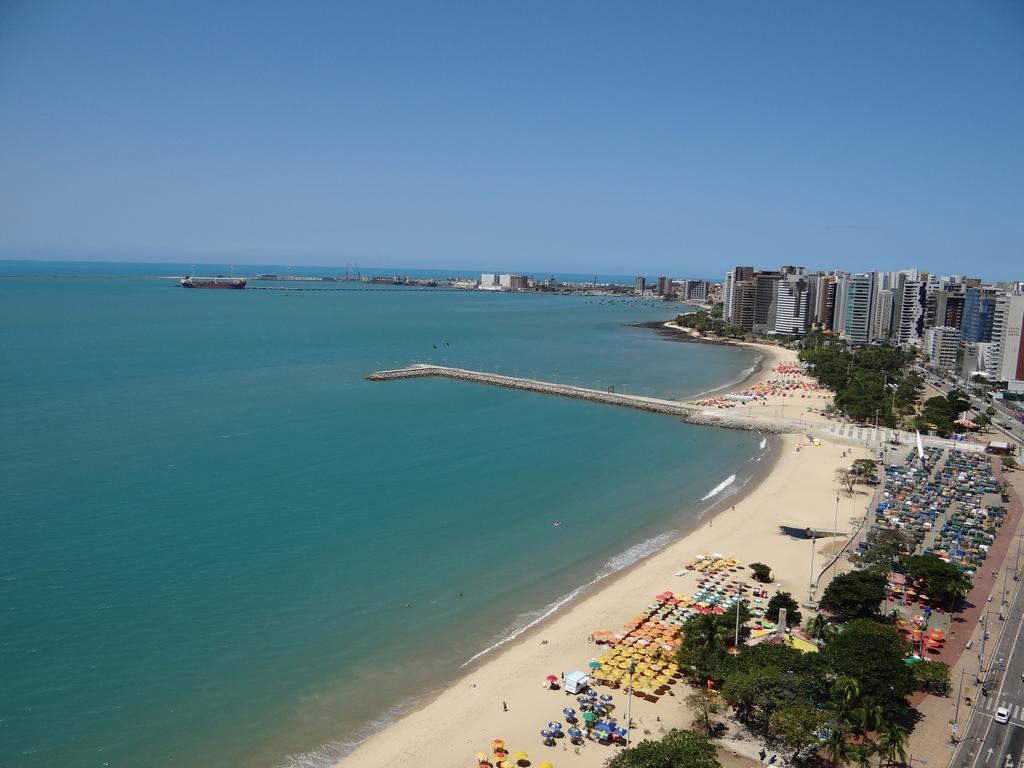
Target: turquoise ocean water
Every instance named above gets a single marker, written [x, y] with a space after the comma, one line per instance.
[212, 522]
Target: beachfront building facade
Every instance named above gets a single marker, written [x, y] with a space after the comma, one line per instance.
[694, 290]
[795, 305]
[979, 312]
[945, 306]
[665, 287]
[941, 344]
[1005, 361]
[859, 307]
[732, 277]
[909, 330]
[766, 283]
[882, 325]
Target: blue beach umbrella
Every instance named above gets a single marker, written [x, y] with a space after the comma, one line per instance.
[620, 732]
[581, 698]
[575, 733]
[606, 698]
[555, 726]
[569, 712]
[546, 733]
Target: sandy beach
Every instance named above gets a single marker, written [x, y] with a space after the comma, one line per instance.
[796, 490]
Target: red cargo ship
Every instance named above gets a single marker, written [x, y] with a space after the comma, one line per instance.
[212, 282]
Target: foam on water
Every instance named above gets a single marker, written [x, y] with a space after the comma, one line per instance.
[720, 487]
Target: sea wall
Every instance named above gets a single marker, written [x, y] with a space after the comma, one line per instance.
[690, 413]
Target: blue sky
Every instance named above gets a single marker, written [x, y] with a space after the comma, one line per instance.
[675, 137]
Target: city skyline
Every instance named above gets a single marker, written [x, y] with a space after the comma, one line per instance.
[531, 139]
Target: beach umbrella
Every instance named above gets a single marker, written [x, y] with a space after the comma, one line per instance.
[545, 765]
[480, 756]
[606, 698]
[551, 678]
[569, 712]
[555, 726]
[496, 743]
[546, 733]
[581, 699]
[595, 665]
[589, 717]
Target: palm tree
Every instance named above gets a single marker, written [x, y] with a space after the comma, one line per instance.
[868, 718]
[819, 628]
[845, 693]
[837, 748]
[862, 755]
[706, 632]
[892, 744]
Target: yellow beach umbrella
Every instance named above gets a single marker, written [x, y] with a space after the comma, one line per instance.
[522, 756]
[545, 765]
[480, 756]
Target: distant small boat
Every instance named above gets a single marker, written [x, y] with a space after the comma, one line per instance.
[212, 282]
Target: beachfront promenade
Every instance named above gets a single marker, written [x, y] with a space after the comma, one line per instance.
[693, 414]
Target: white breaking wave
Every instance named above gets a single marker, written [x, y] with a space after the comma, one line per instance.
[764, 443]
[720, 487]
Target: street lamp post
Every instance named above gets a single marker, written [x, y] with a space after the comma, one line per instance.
[810, 588]
[736, 644]
[835, 527]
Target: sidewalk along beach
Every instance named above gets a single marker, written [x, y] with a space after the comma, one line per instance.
[505, 695]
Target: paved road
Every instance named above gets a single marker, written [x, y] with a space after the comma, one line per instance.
[986, 743]
[1004, 415]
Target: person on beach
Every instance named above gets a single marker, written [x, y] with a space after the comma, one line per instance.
[504, 706]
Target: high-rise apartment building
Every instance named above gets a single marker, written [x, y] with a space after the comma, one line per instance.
[882, 324]
[945, 307]
[941, 344]
[694, 290]
[733, 276]
[1005, 360]
[859, 307]
[665, 286]
[979, 312]
[767, 283]
[910, 326]
[639, 285]
[794, 305]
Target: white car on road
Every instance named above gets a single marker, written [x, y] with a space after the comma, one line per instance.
[1002, 715]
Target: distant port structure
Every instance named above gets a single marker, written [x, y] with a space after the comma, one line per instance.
[692, 414]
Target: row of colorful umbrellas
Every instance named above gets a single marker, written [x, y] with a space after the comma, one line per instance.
[502, 758]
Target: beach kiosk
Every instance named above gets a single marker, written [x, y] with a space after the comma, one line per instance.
[576, 682]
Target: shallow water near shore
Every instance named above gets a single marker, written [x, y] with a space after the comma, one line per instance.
[214, 523]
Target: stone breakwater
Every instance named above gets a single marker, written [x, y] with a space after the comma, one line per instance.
[692, 414]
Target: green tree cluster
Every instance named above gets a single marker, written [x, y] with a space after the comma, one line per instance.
[885, 548]
[940, 413]
[854, 595]
[708, 322]
[872, 654]
[935, 577]
[860, 377]
[675, 748]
